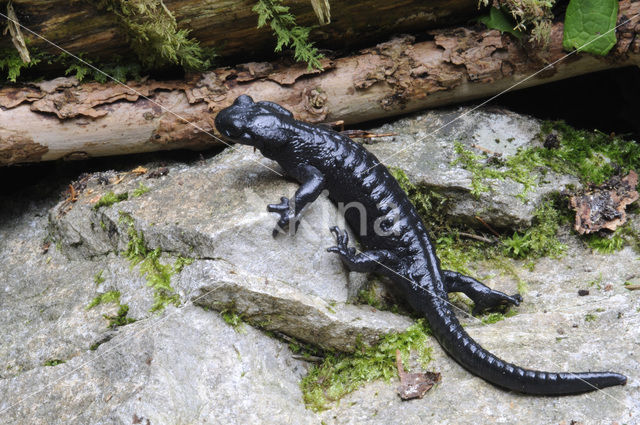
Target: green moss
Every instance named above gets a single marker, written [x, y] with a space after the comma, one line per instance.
[120, 319]
[141, 190]
[431, 206]
[370, 297]
[519, 168]
[110, 198]
[107, 297]
[494, 317]
[98, 279]
[607, 243]
[340, 374]
[158, 275]
[283, 25]
[540, 239]
[53, 362]
[592, 156]
[590, 317]
[232, 318]
[154, 35]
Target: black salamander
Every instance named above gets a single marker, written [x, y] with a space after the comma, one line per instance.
[395, 239]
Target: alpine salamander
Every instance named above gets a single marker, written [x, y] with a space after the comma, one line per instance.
[393, 235]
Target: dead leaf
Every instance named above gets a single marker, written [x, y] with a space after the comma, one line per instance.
[139, 170]
[414, 385]
[603, 207]
[16, 34]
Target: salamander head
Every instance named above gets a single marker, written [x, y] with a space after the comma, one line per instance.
[258, 124]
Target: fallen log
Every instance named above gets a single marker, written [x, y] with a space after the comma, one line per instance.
[230, 26]
[64, 119]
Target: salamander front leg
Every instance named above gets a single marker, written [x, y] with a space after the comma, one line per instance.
[311, 187]
[380, 261]
[482, 296]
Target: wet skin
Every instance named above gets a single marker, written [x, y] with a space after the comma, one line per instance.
[394, 239]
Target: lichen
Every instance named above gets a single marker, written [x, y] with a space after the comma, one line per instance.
[532, 16]
[340, 373]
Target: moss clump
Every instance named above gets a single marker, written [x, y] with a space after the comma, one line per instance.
[607, 243]
[540, 239]
[370, 297]
[98, 278]
[53, 362]
[592, 156]
[532, 16]
[232, 318]
[590, 317]
[140, 190]
[154, 35]
[110, 198]
[158, 275]
[518, 168]
[494, 317]
[340, 374]
[120, 319]
[431, 206]
[107, 297]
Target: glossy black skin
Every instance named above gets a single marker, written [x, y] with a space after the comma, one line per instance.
[320, 158]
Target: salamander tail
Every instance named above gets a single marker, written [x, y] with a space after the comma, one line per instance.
[480, 362]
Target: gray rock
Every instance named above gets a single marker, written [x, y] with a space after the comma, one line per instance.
[424, 148]
[185, 365]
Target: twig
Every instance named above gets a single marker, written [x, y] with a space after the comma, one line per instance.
[477, 237]
[485, 224]
[483, 149]
[310, 359]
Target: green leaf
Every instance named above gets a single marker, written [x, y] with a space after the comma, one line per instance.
[589, 26]
[498, 20]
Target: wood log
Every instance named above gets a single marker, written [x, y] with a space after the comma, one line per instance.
[64, 119]
[230, 25]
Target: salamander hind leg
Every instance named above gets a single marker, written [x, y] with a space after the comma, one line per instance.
[482, 296]
[380, 261]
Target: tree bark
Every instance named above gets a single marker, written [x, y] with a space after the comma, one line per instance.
[64, 119]
[230, 25]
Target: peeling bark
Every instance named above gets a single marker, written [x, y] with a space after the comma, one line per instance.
[83, 120]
